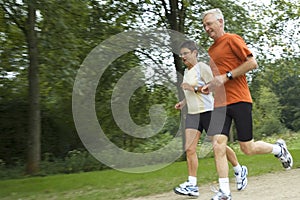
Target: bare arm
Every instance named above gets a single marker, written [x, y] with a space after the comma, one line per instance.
[219, 80]
[247, 66]
[180, 104]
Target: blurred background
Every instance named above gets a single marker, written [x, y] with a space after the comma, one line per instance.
[43, 44]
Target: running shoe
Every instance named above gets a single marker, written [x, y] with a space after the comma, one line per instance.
[285, 157]
[241, 178]
[187, 189]
[183, 185]
[220, 195]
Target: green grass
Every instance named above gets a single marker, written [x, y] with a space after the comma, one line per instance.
[111, 184]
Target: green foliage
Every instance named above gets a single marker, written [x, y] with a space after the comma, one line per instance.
[285, 83]
[282, 77]
[81, 161]
[155, 143]
[68, 30]
[277, 38]
[13, 135]
[266, 114]
[75, 161]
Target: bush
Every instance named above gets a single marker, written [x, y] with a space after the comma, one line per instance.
[81, 161]
[10, 172]
[75, 161]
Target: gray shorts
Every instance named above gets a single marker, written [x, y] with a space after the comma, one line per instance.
[198, 122]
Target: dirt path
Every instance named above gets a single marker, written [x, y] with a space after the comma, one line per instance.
[272, 186]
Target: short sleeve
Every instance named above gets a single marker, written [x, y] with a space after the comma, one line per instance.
[239, 47]
[206, 72]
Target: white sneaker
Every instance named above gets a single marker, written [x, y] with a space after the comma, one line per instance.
[187, 189]
[285, 157]
[183, 185]
[220, 195]
[241, 178]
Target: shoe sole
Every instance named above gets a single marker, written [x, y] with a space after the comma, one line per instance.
[188, 194]
[176, 192]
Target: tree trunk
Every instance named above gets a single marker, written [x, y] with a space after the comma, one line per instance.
[34, 142]
[176, 19]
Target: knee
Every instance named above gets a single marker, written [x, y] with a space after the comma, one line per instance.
[219, 148]
[190, 150]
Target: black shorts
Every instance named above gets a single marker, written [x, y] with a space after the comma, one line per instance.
[198, 122]
[241, 113]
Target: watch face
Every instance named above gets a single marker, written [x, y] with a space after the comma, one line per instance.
[196, 89]
[229, 75]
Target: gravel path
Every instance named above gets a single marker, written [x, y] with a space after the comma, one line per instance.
[272, 186]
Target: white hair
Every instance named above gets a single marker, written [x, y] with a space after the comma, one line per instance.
[216, 12]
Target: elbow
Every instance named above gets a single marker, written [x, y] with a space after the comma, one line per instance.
[253, 64]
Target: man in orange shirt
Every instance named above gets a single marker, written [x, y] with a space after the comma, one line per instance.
[230, 61]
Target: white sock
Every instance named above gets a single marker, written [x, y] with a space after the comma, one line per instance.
[192, 180]
[237, 169]
[224, 185]
[276, 149]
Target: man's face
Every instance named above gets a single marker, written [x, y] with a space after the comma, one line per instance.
[212, 26]
[189, 58]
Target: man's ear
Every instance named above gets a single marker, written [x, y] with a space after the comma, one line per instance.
[221, 22]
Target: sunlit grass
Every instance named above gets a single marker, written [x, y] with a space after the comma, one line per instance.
[111, 184]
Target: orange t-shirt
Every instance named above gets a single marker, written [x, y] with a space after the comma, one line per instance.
[227, 53]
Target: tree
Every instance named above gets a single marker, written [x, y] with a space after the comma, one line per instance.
[67, 30]
[282, 77]
[60, 57]
[278, 37]
[34, 141]
[266, 114]
[27, 24]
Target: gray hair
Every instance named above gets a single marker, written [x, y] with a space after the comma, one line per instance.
[189, 44]
[216, 12]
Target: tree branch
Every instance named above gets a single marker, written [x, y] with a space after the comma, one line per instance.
[13, 14]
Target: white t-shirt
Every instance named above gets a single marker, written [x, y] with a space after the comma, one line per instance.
[199, 75]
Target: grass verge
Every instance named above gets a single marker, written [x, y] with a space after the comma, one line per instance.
[111, 184]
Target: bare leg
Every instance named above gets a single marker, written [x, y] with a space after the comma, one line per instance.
[259, 147]
[231, 156]
[220, 149]
[192, 138]
[190, 186]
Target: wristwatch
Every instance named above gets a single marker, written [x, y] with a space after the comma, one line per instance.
[229, 75]
[196, 89]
